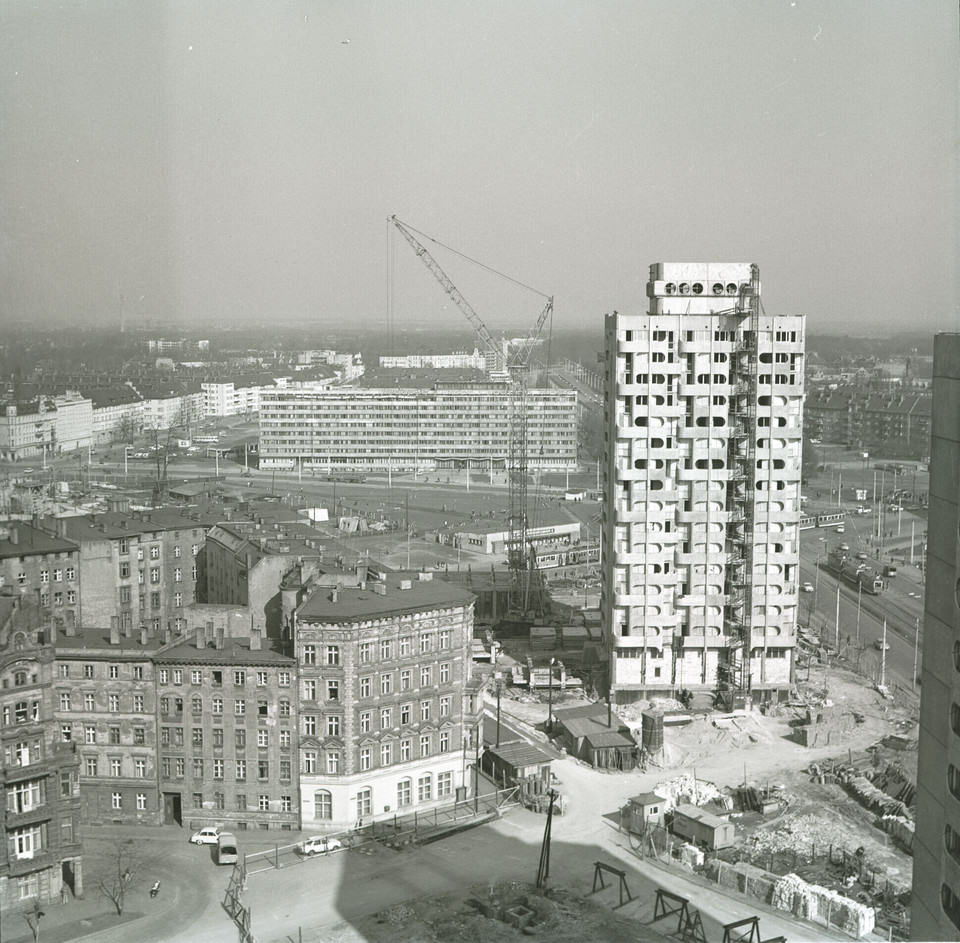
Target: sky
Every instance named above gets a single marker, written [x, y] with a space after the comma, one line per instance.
[191, 164]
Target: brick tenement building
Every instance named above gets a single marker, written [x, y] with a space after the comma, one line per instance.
[228, 735]
[385, 663]
[40, 567]
[105, 704]
[38, 773]
[140, 567]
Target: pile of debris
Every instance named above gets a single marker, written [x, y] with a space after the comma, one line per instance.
[689, 789]
[822, 905]
[901, 828]
[802, 834]
[876, 799]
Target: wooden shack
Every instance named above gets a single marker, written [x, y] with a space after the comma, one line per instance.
[518, 763]
[702, 828]
[595, 734]
[642, 811]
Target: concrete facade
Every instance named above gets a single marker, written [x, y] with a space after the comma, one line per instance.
[702, 484]
[74, 424]
[385, 674]
[367, 429]
[935, 907]
[27, 430]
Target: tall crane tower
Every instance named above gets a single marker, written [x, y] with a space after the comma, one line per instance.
[516, 363]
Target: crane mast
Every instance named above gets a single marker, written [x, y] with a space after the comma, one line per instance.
[517, 365]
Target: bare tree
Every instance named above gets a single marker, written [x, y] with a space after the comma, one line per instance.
[32, 917]
[125, 864]
[161, 440]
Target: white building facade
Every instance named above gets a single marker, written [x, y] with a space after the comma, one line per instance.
[224, 398]
[704, 402]
[459, 360]
[445, 427]
[74, 422]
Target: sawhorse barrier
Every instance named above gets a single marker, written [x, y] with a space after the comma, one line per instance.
[689, 922]
[598, 868]
[742, 931]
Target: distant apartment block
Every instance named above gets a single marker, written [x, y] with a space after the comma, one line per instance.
[388, 717]
[894, 424]
[461, 360]
[28, 429]
[161, 346]
[349, 366]
[702, 479]
[442, 427]
[74, 422]
[232, 397]
[935, 907]
[117, 413]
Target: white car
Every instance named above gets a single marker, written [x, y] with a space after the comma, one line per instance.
[881, 646]
[318, 846]
[807, 587]
[206, 836]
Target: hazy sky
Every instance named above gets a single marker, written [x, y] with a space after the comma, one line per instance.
[224, 160]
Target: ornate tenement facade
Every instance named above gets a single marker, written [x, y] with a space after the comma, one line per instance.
[388, 722]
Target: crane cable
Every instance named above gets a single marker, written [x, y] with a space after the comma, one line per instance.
[468, 258]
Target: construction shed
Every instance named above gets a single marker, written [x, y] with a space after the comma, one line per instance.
[642, 811]
[518, 763]
[702, 828]
[595, 734]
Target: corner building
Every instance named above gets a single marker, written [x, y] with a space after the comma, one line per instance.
[935, 907]
[385, 711]
[703, 410]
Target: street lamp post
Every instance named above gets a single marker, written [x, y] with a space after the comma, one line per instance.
[126, 449]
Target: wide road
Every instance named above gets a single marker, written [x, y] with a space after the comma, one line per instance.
[895, 605]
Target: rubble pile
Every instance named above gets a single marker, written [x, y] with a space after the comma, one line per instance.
[688, 789]
[873, 798]
[801, 834]
[822, 905]
[901, 828]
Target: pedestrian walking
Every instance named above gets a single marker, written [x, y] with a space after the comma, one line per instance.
[64, 896]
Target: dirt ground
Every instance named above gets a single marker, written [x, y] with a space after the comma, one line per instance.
[478, 917]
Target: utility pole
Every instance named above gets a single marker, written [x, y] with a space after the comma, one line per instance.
[837, 620]
[883, 655]
[859, 594]
[839, 480]
[916, 652]
[913, 527]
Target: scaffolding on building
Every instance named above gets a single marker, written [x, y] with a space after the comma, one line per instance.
[733, 671]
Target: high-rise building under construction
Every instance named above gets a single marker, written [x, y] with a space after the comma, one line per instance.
[704, 399]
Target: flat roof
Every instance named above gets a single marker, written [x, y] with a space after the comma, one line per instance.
[359, 605]
[235, 651]
[97, 639]
[520, 753]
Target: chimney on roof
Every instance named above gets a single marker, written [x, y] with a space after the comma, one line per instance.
[70, 623]
[114, 630]
[143, 635]
[13, 536]
[333, 596]
[167, 635]
[127, 629]
[61, 525]
[254, 639]
[424, 576]
[201, 643]
[219, 639]
[380, 589]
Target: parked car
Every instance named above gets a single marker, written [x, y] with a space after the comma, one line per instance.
[318, 845]
[881, 646]
[206, 836]
[840, 529]
[807, 587]
[896, 507]
[844, 548]
[861, 554]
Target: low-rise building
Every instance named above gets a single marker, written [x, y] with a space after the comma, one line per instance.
[388, 708]
[28, 430]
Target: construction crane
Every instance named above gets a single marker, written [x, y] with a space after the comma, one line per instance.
[516, 366]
